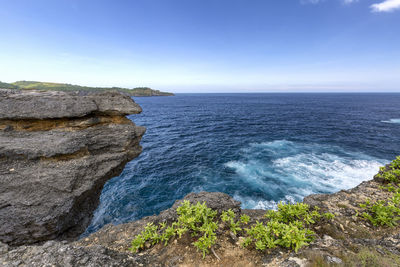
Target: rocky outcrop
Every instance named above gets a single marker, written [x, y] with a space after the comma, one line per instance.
[347, 240]
[336, 243]
[57, 149]
[109, 246]
[62, 254]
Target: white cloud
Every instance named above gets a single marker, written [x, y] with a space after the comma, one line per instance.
[386, 6]
[319, 1]
[349, 1]
[310, 1]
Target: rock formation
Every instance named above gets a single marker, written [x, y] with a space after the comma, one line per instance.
[57, 149]
[346, 241]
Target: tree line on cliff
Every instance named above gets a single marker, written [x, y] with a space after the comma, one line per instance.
[30, 85]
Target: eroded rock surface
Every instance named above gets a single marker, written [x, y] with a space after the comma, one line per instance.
[332, 247]
[57, 149]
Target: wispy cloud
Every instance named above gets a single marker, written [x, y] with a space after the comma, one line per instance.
[319, 1]
[386, 6]
[310, 1]
[349, 1]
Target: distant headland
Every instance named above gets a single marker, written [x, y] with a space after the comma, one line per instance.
[47, 86]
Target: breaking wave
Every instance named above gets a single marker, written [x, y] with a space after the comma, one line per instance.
[288, 171]
[392, 121]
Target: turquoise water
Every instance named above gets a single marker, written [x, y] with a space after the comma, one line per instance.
[259, 148]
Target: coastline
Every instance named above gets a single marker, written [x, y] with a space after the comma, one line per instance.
[346, 240]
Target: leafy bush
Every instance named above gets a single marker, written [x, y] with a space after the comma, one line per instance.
[198, 219]
[229, 217]
[386, 213]
[286, 227]
[150, 232]
[392, 172]
[396, 163]
[392, 187]
[294, 212]
[383, 213]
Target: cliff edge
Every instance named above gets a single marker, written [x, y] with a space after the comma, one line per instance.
[346, 240]
[57, 149]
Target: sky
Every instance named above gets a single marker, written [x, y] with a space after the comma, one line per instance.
[204, 45]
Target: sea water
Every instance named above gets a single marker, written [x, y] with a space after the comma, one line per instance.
[258, 148]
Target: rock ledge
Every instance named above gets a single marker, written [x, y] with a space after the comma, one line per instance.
[57, 149]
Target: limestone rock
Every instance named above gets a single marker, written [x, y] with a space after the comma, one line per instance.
[57, 149]
[54, 253]
[61, 104]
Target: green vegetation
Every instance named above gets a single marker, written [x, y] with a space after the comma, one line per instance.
[386, 212]
[288, 227]
[362, 256]
[7, 86]
[229, 217]
[197, 219]
[383, 213]
[29, 85]
[392, 172]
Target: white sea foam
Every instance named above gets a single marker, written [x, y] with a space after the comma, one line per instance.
[392, 121]
[250, 203]
[289, 171]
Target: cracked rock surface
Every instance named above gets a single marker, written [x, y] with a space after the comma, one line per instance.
[57, 150]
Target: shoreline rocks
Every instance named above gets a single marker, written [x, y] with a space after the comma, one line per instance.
[57, 150]
[345, 241]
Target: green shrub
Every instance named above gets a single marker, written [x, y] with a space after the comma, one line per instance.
[294, 212]
[286, 227]
[392, 173]
[386, 213]
[150, 233]
[198, 219]
[328, 215]
[229, 217]
[396, 163]
[382, 213]
[244, 219]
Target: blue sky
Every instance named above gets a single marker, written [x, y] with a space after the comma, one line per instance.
[204, 45]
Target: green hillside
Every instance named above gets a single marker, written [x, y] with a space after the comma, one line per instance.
[29, 85]
[7, 86]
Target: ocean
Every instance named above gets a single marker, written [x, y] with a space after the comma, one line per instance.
[258, 148]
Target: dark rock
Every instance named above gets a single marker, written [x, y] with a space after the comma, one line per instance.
[64, 255]
[57, 149]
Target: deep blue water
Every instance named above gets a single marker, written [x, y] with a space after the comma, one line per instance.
[259, 148]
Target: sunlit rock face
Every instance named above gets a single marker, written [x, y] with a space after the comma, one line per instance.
[57, 149]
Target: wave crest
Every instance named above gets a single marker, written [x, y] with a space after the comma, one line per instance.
[392, 121]
[288, 171]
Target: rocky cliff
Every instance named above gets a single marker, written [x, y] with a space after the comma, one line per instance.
[57, 149]
[347, 240]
